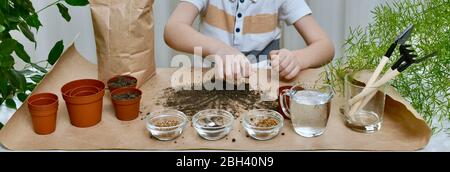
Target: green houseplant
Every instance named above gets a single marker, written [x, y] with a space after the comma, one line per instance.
[425, 86]
[20, 15]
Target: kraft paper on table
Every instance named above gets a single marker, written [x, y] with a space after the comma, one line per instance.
[403, 129]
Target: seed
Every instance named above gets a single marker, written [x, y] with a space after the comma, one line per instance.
[268, 122]
[167, 123]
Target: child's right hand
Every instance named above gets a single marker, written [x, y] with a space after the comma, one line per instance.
[231, 64]
[286, 63]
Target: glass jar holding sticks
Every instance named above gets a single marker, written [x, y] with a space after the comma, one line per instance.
[366, 114]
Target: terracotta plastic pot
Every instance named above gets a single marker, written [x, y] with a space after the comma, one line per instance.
[66, 89]
[84, 91]
[112, 88]
[126, 110]
[43, 109]
[84, 101]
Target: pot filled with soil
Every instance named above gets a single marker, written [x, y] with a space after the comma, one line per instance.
[123, 81]
[43, 109]
[126, 103]
[84, 100]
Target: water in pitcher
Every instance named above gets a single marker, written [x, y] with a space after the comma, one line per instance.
[310, 110]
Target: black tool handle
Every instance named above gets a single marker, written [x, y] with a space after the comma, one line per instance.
[398, 63]
[391, 50]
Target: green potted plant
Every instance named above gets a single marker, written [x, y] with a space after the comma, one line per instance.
[425, 86]
[20, 15]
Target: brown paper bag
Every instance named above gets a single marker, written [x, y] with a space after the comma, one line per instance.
[124, 35]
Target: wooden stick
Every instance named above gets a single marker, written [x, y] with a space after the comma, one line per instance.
[372, 79]
[371, 92]
[363, 103]
[386, 78]
[370, 88]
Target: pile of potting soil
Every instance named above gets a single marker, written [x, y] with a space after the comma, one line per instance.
[126, 96]
[122, 81]
[192, 101]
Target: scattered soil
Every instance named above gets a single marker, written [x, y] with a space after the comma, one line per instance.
[126, 96]
[192, 101]
[122, 81]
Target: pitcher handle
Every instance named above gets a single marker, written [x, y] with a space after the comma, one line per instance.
[283, 102]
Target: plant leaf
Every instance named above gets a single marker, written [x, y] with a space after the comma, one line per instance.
[77, 2]
[6, 61]
[4, 4]
[27, 72]
[56, 52]
[10, 103]
[2, 28]
[22, 54]
[7, 46]
[22, 96]
[64, 11]
[27, 32]
[14, 19]
[4, 88]
[36, 78]
[34, 21]
[30, 86]
[17, 79]
[39, 68]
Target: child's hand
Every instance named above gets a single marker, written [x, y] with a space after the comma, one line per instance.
[284, 61]
[231, 64]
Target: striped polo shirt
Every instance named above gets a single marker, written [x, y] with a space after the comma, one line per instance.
[251, 26]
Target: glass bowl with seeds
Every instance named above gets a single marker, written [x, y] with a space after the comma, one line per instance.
[167, 124]
[262, 124]
[213, 124]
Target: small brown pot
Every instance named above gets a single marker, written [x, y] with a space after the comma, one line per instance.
[111, 87]
[43, 109]
[84, 100]
[126, 110]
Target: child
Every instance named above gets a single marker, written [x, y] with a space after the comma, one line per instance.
[234, 29]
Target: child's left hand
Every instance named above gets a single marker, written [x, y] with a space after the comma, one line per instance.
[285, 61]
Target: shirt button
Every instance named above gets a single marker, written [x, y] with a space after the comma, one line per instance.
[238, 30]
[239, 15]
[242, 1]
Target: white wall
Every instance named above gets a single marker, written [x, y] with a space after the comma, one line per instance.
[335, 16]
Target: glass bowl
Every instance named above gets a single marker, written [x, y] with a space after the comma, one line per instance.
[262, 124]
[166, 124]
[213, 124]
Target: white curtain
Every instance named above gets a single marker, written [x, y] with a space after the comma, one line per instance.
[336, 16]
